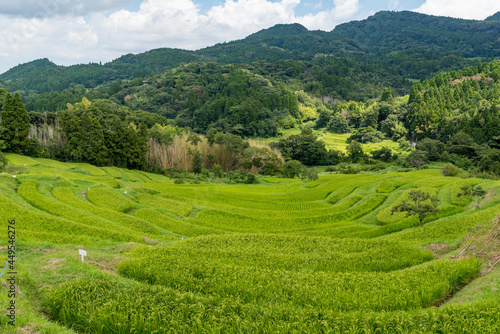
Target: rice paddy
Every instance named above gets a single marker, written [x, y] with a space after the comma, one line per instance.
[280, 256]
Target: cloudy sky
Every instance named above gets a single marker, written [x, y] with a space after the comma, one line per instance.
[80, 31]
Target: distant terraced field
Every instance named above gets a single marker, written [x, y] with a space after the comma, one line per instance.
[282, 256]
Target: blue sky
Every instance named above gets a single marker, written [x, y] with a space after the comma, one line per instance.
[81, 31]
[314, 6]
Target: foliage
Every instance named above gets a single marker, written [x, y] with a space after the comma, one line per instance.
[475, 191]
[417, 158]
[304, 147]
[456, 103]
[15, 125]
[366, 135]
[293, 168]
[310, 174]
[346, 168]
[450, 170]
[384, 154]
[422, 205]
[491, 162]
[355, 151]
[433, 148]
[96, 135]
[338, 124]
[197, 161]
[3, 161]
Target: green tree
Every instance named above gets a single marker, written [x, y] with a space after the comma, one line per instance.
[91, 146]
[421, 204]
[386, 95]
[338, 124]
[197, 161]
[15, 124]
[310, 174]
[292, 169]
[355, 151]
[384, 154]
[304, 147]
[490, 163]
[417, 158]
[193, 138]
[217, 169]
[475, 191]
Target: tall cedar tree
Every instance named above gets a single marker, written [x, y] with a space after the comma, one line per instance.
[15, 124]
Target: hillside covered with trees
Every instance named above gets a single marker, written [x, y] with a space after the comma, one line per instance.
[413, 45]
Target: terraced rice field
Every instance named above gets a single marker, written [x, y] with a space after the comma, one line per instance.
[338, 142]
[281, 256]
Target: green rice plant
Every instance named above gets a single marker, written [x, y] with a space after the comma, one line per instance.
[105, 229]
[107, 304]
[114, 172]
[456, 189]
[55, 163]
[156, 178]
[74, 176]
[238, 222]
[106, 198]
[447, 229]
[179, 227]
[257, 281]
[386, 216]
[65, 195]
[341, 193]
[21, 160]
[177, 207]
[56, 237]
[130, 176]
[433, 182]
[316, 183]
[92, 170]
[297, 253]
[37, 226]
[140, 176]
[389, 185]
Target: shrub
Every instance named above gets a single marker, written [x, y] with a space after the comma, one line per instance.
[292, 169]
[450, 170]
[345, 168]
[217, 169]
[417, 158]
[384, 154]
[3, 161]
[310, 174]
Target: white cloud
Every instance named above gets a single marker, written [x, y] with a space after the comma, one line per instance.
[467, 9]
[71, 38]
[328, 19]
[51, 8]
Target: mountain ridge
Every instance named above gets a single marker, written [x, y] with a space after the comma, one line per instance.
[411, 44]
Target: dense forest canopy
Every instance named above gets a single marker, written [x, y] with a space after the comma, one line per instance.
[353, 80]
[414, 45]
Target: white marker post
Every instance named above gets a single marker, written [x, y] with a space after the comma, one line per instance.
[82, 253]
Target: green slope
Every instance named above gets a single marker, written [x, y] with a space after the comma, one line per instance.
[271, 257]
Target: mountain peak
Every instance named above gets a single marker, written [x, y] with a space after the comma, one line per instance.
[494, 17]
[27, 67]
[282, 30]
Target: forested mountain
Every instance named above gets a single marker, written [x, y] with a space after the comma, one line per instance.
[393, 31]
[259, 98]
[410, 44]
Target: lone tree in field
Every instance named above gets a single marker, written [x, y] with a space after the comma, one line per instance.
[421, 204]
[475, 191]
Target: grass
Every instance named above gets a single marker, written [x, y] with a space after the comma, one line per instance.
[279, 256]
